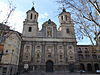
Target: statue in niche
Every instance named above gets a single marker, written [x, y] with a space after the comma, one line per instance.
[49, 32]
[27, 50]
[70, 53]
[49, 52]
[27, 53]
[38, 54]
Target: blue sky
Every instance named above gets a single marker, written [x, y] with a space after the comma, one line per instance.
[47, 9]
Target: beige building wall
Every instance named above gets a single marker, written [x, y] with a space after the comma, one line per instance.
[12, 49]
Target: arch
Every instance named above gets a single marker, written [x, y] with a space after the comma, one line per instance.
[49, 66]
[89, 67]
[31, 16]
[82, 67]
[71, 67]
[30, 29]
[34, 16]
[61, 17]
[66, 17]
[96, 66]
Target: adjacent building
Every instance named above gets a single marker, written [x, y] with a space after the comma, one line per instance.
[88, 57]
[11, 51]
[1, 51]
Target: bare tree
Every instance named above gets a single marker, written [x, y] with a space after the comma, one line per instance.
[86, 16]
[4, 30]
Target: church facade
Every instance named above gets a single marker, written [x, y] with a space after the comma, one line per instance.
[48, 49]
[51, 49]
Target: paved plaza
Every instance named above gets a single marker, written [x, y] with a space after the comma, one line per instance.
[31, 73]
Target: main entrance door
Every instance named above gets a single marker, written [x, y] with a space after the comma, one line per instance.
[49, 66]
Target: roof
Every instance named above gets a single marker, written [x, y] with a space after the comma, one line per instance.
[3, 26]
[32, 9]
[86, 45]
[63, 11]
[49, 22]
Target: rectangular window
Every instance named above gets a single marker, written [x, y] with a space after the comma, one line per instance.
[67, 31]
[30, 29]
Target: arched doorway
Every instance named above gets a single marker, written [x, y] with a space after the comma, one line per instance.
[49, 66]
[89, 67]
[96, 66]
[82, 67]
[71, 67]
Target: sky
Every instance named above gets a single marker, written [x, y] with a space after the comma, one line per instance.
[47, 9]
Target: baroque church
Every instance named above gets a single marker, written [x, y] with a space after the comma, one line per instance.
[49, 49]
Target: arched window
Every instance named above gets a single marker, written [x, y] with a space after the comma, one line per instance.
[82, 67]
[96, 66]
[66, 17]
[89, 67]
[30, 29]
[61, 17]
[31, 16]
[35, 17]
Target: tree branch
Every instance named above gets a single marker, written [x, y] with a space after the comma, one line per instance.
[95, 6]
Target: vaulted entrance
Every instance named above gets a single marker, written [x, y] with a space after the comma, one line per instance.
[49, 66]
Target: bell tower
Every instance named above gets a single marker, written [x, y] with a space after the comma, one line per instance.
[30, 26]
[66, 25]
